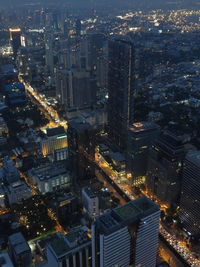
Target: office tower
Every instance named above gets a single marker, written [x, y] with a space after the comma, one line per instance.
[71, 250]
[78, 27]
[75, 89]
[55, 139]
[81, 148]
[95, 45]
[49, 54]
[190, 194]
[164, 169]
[120, 89]
[19, 250]
[127, 235]
[66, 28]
[141, 136]
[15, 38]
[90, 202]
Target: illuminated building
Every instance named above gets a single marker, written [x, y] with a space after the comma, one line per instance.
[50, 177]
[127, 235]
[190, 194]
[90, 202]
[120, 89]
[19, 250]
[141, 136]
[2, 197]
[164, 168]
[15, 38]
[3, 127]
[71, 250]
[55, 139]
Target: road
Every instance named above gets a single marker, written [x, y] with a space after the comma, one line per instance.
[48, 110]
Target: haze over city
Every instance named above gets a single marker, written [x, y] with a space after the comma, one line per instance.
[99, 133]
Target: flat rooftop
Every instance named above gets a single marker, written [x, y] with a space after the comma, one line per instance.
[143, 126]
[55, 131]
[194, 157]
[48, 171]
[63, 244]
[89, 192]
[126, 214]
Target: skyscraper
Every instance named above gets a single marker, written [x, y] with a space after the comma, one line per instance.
[120, 89]
[127, 235]
[190, 194]
[78, 27]
[164, 168]
[141, 136]
[75, 89]
[15, 38]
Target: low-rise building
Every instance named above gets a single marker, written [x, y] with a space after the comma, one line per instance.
[19, 250]
[71, 250]
[50, 177]
[5, 260]
[17, 192]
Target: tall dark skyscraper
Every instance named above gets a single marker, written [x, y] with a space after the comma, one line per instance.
[15, 38]
[120, 89]
[164, 168]
[190, 194]
[78, 27]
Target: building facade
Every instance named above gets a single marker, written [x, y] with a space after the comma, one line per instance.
[165, 169]
[90, 202]
[190, 194]
[120, 89]
[127, 235]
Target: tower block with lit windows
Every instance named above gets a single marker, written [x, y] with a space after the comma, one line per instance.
[15, 38]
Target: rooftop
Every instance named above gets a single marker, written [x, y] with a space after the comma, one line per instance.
[63, 244]
[48, 171]
[144, 126]
[126, 214]
[194, 157]
[19, 243]
[55, 131]
[89, 192]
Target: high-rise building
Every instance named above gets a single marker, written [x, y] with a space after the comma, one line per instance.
[75, 89]
[49, 56]
[127, 235]
[81, 147]
[78, 27]
[15, 38]
[164, 169]
[120, 89]
[190, 194]
[141, 136]
[19, 250]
